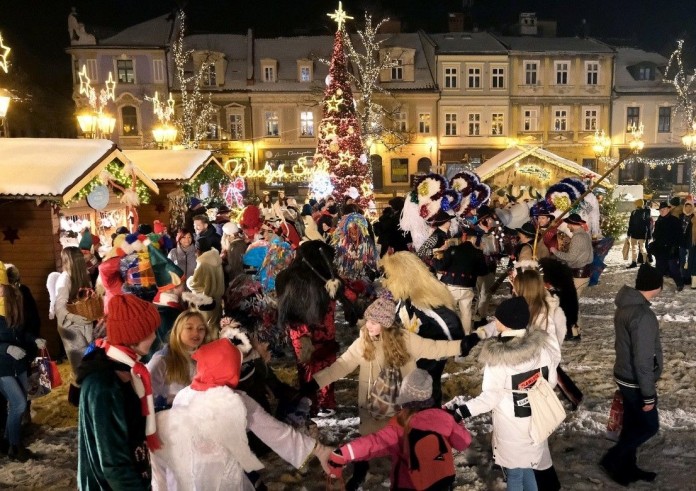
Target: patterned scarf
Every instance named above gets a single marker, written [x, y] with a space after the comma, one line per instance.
[140, 380]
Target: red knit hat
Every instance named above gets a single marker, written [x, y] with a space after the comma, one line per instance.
[218, 364]
[130, 320]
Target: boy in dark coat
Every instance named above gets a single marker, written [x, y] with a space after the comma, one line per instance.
[638, 232]
[637, 368]
[667, 238]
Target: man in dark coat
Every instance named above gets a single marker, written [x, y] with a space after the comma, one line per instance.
[637, 368]
[638, 232]
[196, 207]
[667, 238]
[204, 229]
[389, 233]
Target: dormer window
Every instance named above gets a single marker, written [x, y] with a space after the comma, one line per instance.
[643, 71]
[269, 70]
[397, 71]
[209, 76]
[304, 70]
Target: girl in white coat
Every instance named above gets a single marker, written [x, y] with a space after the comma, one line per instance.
[513, 361]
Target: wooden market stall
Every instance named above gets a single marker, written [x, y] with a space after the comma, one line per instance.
[526, 172]
[40, 179]
[170, 169]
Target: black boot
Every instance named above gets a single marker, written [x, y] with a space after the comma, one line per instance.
[20, 453]
[618, 473]
[632, 265]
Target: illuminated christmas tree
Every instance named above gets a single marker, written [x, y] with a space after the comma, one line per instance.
[340, 145]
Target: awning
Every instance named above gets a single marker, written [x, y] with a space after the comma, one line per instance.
[172, 165]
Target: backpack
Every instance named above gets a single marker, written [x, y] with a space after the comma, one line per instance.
[429, 458]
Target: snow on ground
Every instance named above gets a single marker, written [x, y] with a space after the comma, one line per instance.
[576, 446]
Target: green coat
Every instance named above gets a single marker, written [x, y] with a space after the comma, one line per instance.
[112, 453]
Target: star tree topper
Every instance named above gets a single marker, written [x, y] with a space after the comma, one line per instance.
[340, 16]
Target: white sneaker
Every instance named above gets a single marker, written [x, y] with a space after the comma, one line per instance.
[325, 412]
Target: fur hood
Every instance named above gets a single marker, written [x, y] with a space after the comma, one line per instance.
[511, 351]
[408, 278]
[210, 258]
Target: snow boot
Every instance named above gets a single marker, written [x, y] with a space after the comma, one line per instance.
[642, 475]
[632, 265]
[693, 282]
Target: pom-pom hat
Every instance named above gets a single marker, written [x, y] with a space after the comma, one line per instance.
[130, 320]
[382, 311]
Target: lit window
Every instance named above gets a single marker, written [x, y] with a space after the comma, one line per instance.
[632, 117]
[560, 120]
[236, 127]
[271, 121]
[399, 170]
[424, 123]
[531, 119]
[129, 120]
[306, 123]
[497, 120]
[474, 124]
[450, 124]
[268, 74]
[401, 121]
[305, 74]
[397, 72]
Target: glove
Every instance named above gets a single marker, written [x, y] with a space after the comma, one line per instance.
[468, 342]
[336, 463]
[459, 413]
[323, 453]
[40, 343]
[16, 352]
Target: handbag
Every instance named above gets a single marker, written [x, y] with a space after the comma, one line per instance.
[381, 399]
[88, 304]
[626, 248]
[53, 372]
[615, 423]
[39, 383]
[547, 410]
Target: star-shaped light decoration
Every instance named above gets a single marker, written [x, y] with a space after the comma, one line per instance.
[366, 189]
[4, 52]
[345, 158]
[329, 130]
[11, 234]
[340, 16]
[333, 103]
[84, 81]
[170, 106]
[110, 87]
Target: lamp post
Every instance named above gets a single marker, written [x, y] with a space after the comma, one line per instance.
[689, 142]
[164, 132]
[601, 146]
[94, 121]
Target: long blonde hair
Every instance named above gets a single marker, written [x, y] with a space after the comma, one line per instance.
[530, 285]
[178, 359]
[74, 264]
[408, 278]
[393, 345]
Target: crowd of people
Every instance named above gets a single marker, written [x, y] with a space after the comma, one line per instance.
[174, 384]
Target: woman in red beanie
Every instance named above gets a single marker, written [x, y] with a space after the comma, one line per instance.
[116, 421]
[204, 436]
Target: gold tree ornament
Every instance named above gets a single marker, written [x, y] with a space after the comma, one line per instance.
[333, 103]
[340, 16]
[4, 53]
[329, 130]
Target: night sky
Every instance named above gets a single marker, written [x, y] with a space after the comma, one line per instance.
[37, 30]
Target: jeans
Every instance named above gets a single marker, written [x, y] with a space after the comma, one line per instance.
[519, 479]
[638, 427]
[14, 389]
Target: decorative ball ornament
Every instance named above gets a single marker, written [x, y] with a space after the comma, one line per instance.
[328, 80]
[333, 146]
[351, 130]
[98, 198]
[339, 92]
[363, 158]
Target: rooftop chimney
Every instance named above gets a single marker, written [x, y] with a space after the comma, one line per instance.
[456, 22]
[528, 24]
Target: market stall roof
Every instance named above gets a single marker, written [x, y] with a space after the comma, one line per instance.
[56, 167]
[172, 165]
[512, 155]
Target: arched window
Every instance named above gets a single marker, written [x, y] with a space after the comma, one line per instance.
[424, 165]
[129, 121]
[376, 162]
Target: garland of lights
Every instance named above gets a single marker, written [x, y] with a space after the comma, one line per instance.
[298, 172]
[119, 178]
[683, 83]
[669, 162]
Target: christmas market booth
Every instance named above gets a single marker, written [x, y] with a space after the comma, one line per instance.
[523, 172]
[176, 172]
[50, 191]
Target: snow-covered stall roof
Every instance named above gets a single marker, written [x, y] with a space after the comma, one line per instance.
[172, 165]
[512, 155]
[56, 167]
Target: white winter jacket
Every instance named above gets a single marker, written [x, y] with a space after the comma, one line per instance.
[554, 323]
[511, 361]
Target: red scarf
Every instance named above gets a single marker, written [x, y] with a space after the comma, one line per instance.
[140, 381]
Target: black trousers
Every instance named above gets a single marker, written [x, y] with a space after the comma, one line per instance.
[670, 267]
[638, 427]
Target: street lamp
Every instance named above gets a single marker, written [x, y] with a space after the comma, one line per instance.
[94, 121]
[164, 133]
[5, 98]
[636, 144]
[601, 146]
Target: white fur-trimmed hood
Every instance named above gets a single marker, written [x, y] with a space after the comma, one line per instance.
[513, 351]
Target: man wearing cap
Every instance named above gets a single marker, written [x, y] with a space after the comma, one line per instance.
[667, 237]
[524, 250]
[440, 223]
[579, 256]
[637, 368]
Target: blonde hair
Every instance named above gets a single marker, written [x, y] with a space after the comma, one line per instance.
[393, 345]
[408, 278]
[74, 264]
[530, 285]
[178, 359]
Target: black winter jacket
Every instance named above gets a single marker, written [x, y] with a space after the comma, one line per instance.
[211, 234]
[9, 367]
[667, 238]
[639, 224]
[461, 265]
[638, 349]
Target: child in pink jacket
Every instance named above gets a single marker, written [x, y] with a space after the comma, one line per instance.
[405, 438]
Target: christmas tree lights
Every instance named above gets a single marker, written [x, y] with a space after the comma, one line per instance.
[340, 143]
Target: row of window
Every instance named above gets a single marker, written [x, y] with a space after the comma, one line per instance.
[664, 118]
[474, 75]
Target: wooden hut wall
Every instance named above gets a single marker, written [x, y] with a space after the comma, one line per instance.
[36, 253]
[159, 206]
